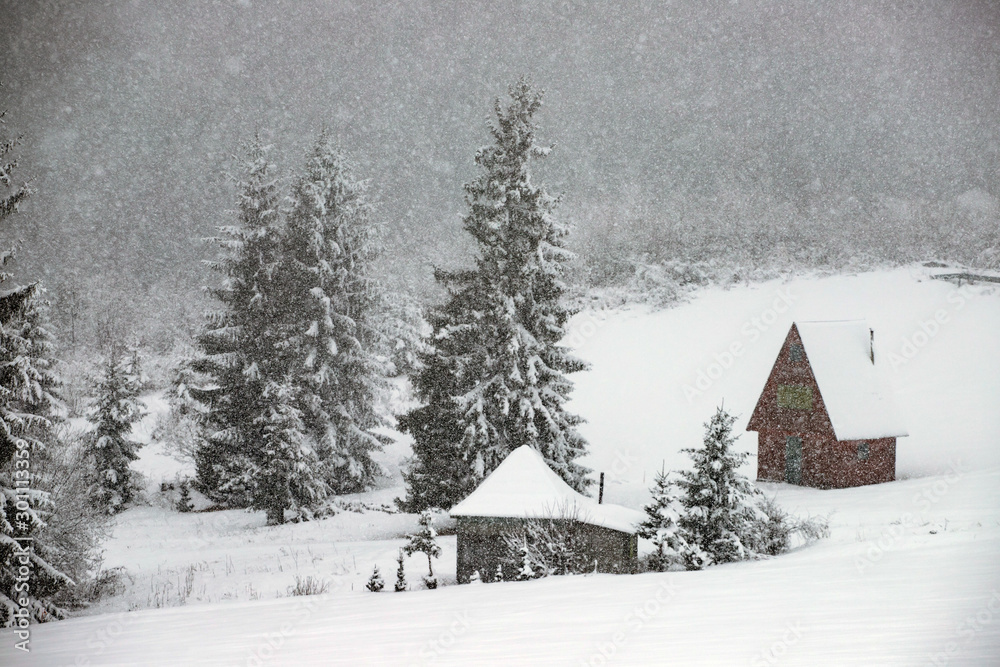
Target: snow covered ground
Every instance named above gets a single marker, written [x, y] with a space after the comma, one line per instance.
[910, 574]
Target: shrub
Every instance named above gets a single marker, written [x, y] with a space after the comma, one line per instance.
[309, 586]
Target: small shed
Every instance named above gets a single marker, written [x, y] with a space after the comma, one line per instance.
[826, 417]
[522, 488]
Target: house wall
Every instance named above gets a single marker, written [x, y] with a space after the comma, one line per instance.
[827, 463]
[480, 547]
[768, 416]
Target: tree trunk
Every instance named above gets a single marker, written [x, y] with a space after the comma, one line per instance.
[275, 515]
[429, 568]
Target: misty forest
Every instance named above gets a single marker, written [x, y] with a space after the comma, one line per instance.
[328, 257]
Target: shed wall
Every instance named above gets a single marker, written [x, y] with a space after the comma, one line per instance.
[480, 547]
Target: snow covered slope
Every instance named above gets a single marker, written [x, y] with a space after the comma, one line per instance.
[657, 377]
[909, 575]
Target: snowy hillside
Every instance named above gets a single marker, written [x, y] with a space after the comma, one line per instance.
[909, 575]
[657, 377]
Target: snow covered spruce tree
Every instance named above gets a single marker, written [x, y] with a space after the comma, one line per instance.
[237, 345]
[661, 524]
[252, 414]
[424, 541]
[496, 377]
[720, 518]
[26, 414]
[283, 473]
[109, 446]
[332, 314]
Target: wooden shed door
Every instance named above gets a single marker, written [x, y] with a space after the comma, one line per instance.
[793, 459]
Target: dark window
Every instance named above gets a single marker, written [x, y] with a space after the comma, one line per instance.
[795, 397]
[795, 353]
[863, 451]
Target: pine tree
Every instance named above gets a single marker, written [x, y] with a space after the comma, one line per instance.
[333, 313]
[111, 450]
[496, 378]
[400, 585]
[184, 503]
[26, 415]
[661, 524]
[283, 473]
[375, 583]
[720, 512]
[239, 346]
[424, 541]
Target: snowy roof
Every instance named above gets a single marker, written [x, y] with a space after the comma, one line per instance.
[857, 397]
[524, 487]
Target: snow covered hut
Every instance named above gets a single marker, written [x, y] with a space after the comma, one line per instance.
[826, 418]
[523, 488]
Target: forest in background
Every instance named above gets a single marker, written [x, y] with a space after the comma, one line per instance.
[749, 135]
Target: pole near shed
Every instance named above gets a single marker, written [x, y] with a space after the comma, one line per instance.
[600, 492]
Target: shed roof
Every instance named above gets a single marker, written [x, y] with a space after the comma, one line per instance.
[854, 390]
[524, 487]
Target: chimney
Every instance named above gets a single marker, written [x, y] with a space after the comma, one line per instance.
[871, 344]
[600, 493]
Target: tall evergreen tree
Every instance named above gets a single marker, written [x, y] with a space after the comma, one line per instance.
[109, 446]
[254, 451]
[497, 376]
[26, 413]
[238, 348]
[721, 515]
[333, 313]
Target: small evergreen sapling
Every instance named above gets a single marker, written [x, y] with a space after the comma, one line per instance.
[111, 449]
[375, 583]
[424, 541]
[721, 516]
[184, 503]
[400, 585]
[661, 524]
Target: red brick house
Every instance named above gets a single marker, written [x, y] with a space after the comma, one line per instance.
[826, 418]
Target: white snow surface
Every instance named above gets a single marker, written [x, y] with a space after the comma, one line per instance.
[910, 574]
[524, 487]
[858, 399]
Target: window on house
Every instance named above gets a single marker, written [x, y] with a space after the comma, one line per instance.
[863, 451]
[795, 353]
[795, 397]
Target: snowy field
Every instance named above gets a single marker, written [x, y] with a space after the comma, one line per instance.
[910, 574]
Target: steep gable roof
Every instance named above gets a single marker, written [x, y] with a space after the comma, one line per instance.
[524, 487]
[857, 397]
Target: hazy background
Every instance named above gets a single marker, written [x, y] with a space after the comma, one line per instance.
[750, 132]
